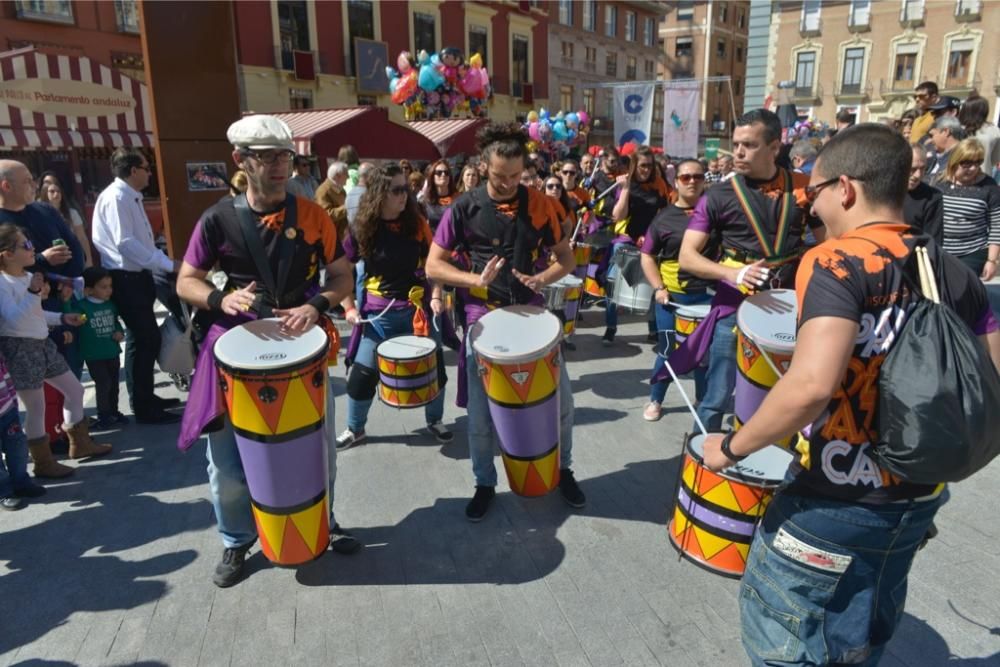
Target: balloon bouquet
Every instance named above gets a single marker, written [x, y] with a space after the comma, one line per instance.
[439, 85]
[557, 135]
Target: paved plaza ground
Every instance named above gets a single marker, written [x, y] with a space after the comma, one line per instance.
[113, 566]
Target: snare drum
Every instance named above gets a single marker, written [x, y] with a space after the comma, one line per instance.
[637, 298]
[555, 295]
[715, 514]
[517, 349]
[274, 383]
[687, 319]
[765, 335]
[407, 371]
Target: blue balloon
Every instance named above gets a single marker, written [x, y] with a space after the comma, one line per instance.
[543, 114]
[572, 119]
[559, 132]
[430, 78]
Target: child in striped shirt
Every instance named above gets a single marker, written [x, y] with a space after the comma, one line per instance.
[15, 483]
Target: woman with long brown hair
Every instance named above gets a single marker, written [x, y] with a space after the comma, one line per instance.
[393, 238]
[469, 179]
[51, 192]
[438, 192]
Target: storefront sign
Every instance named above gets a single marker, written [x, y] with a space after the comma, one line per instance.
[65, 98]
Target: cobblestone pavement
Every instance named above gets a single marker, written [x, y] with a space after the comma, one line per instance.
[113, 566]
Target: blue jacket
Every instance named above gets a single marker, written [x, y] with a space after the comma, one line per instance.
[42, 224]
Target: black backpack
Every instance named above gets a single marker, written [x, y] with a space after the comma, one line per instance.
[939, 393]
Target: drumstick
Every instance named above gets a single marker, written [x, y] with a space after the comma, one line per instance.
[677, 382]
[379, 316]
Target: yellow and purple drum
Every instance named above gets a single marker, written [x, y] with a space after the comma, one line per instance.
[517, 350]
[716, 513]
[274, 383]
[687, 318]
[571, 307]
[407, 371]
[582, 253]
[765, 339]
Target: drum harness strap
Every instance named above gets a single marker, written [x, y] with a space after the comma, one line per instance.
[749, 202]
[286, 245]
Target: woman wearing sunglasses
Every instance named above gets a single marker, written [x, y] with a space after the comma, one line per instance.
[660, 251]
[438, 192]
[393, 239]
[971, 210]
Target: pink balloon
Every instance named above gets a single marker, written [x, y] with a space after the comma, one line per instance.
[533, 130]
[583, 116]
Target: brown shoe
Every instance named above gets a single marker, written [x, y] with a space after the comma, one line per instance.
[81, 445]
[46, 464]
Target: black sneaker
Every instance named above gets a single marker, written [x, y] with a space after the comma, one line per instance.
[476, 509]
[120, 418]
[442, 434]
[570, 490]
[342, 542]
[609, 336]
[230, 568]
[651, 337]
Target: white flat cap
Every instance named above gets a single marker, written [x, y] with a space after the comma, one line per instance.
[260, 132]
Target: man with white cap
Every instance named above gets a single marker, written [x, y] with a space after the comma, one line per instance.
[271, 246]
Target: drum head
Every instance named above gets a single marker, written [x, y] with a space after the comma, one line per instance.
[406, 347]
[568, 281]
[515, 333]
[262, 345]
[769, 319]
[765, 467]
[695, 312]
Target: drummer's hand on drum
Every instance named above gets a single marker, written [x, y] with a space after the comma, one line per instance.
[239, 301]
[534, 283]
[353, 317]
[299, 319]
[662, 296]
[490, 271]
[714, 459]
[752, 276]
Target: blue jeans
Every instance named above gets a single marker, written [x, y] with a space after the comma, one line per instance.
[397, 322]
[843, 606]
[720, 379]
[666, 335]
[228, 483]
[14, 450]
[482, 435]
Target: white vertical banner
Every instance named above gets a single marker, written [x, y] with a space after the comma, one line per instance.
[633, 113]
[681, 103]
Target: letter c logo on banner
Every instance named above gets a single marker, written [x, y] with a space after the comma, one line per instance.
[633, 104]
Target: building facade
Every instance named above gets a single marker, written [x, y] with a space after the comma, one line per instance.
[866, 57]
[52, 55]
[294, 54]
[593, 42]
[702, 40]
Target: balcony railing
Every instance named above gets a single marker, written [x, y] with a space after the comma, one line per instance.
[961, 86]
[855, 91]
[285, 59]
[567, 62]
[968, 10]
[893, 88]
[589, 66]
[808, 94]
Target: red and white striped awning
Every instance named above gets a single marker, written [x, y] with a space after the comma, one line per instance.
[452, 136]
[31, 117]
[307, 124]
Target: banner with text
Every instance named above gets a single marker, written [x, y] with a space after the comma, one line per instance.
[681, 104]
[633, 113]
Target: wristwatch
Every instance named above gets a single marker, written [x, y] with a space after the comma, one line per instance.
[726, 441]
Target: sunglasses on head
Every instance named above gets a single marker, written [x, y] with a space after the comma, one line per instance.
[399, 190]
[690, 178]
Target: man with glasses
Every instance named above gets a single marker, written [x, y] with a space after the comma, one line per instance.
[302, 183]
[946, 133]
[569, 172]
[923, 207]
[123, 237]
[759, 216]
[837, 541]
[925, 96]
[271, 245]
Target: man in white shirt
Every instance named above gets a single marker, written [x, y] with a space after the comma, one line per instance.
[124, 238]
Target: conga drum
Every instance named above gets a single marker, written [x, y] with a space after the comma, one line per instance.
[407, 371]
[715, 514]
[574, 291]
[765, 339]
[274, 383]
[517, 350]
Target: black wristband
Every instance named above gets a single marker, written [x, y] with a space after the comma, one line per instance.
[726, 441]
[320, 303]
[215, 299]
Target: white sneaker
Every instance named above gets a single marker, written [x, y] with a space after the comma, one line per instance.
[653, 412]
[348, 439]
[440, 432]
